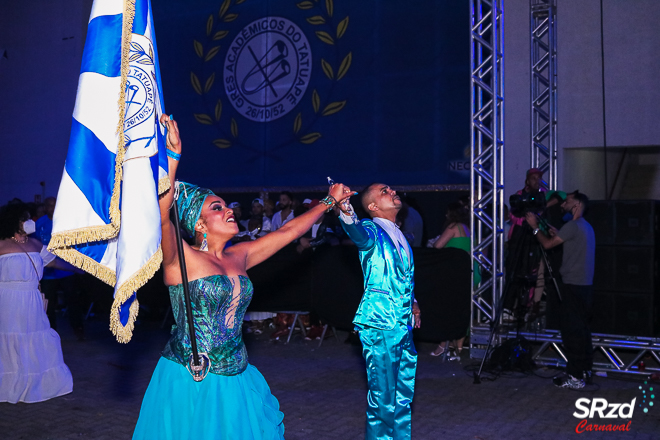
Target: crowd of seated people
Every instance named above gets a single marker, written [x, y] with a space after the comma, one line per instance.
[269, 214]
[265, 214]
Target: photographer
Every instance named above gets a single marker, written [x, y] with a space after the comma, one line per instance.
[577, 272]
[532, 187]
[524, 269]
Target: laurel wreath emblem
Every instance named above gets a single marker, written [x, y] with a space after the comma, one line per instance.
[329, 33]
[139, 55]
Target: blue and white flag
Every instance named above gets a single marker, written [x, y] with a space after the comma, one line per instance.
[107, 218]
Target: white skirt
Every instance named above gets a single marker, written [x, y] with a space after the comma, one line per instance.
[31, 365]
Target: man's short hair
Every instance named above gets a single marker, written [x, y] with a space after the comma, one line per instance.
[365, 197]
[582, 198]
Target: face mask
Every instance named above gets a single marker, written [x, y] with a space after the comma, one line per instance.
[567, 217]
[29, 226]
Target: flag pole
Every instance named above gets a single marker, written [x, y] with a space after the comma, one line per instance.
[197, 369]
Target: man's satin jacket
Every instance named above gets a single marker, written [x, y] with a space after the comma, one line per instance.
[388, 281]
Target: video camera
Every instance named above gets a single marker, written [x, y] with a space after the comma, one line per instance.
[526, 202]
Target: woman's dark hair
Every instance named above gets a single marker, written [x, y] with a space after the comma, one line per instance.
[457, 213]
[11, 217]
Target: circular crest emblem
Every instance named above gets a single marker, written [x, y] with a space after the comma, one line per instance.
[140, 92]
[267, 68]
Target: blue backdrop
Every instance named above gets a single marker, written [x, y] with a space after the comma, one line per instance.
[375, 90]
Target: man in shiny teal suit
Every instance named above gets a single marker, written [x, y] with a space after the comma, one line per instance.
[385, 316]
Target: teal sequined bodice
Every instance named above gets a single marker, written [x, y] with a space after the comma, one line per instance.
[218, 308]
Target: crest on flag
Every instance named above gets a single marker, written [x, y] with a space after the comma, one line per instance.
[107, 220]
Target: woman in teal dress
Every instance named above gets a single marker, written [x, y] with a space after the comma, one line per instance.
[456, 235]
[233, 402]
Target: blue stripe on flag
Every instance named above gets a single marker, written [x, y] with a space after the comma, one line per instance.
[162, 150]
[140, 20]
[94, 250]
[157, 66]
[102, 52]
[124, 310]
[153, 162]
[92, 168]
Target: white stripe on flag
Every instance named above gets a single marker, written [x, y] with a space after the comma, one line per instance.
[106, 7]
[97, 107]
[73, 211]
[139, 239]
[110, 257]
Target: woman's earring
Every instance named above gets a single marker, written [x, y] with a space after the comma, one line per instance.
[205, 245]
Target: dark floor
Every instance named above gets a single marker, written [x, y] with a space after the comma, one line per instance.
[322, 393]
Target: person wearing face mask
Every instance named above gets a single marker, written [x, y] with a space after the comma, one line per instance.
[31, 365]
[575, 286]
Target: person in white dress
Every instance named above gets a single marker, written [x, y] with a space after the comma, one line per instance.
[32, 368]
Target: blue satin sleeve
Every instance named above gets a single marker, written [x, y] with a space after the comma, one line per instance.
[364, 238]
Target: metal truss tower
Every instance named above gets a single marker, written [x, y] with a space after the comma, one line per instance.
[632, 355]
[543, 14]
[487, 160]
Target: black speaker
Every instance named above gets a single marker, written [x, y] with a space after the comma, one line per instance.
[636, 223]
[626, 269]
[624, 223]
[604, 274]
[602, 320]
[628, 314]
[626, 282]
[635, 269]
[601, 217]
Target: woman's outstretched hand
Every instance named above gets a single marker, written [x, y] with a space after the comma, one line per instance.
[341, 193]
[172, 139]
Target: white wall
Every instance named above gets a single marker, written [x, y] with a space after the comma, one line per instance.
[632, 92]
[517, 101]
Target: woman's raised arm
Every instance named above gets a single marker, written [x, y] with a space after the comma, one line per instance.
[168, 241]
[262, 248]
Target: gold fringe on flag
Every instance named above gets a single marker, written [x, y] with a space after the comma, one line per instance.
[123, 333]
[82, 235]
[87, 264]
[163, 184]
[126, 34]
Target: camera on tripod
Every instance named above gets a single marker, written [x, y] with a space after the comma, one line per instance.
[526, 202]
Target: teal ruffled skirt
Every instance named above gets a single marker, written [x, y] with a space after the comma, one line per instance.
[219, 407]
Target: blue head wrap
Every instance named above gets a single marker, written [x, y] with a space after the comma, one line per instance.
[190, 202]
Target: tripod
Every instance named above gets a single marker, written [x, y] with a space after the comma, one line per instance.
[517, 254]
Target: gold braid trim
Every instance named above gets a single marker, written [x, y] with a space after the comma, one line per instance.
[163, 184]
[126, 35]
[72, 237]
[87, 264]
[123, 333]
